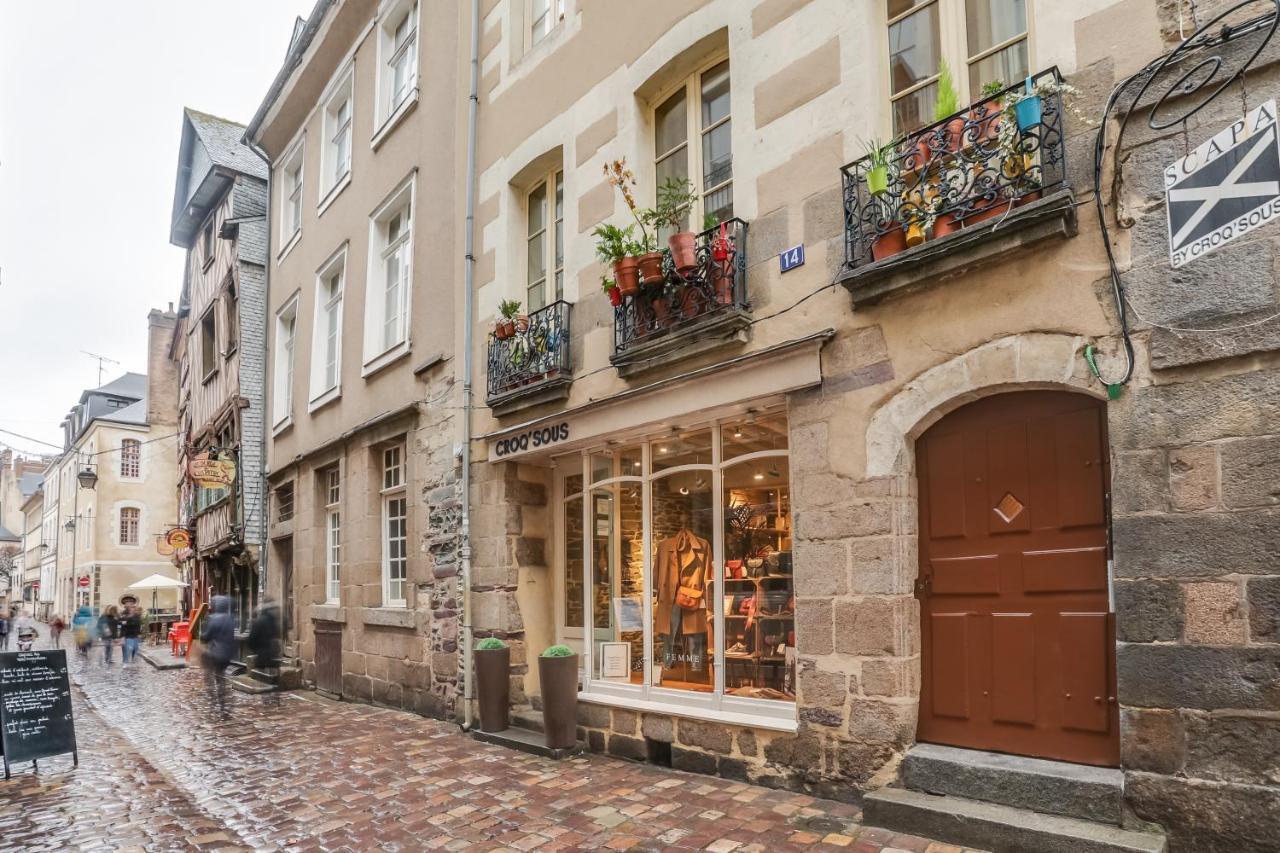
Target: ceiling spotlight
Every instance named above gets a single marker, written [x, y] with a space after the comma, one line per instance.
[759, 476]
[662, 450]
[684, 490]
[637, 464]
[737, 432]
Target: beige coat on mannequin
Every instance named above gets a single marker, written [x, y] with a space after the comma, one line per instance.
[682, 560]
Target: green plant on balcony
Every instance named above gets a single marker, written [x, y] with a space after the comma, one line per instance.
[879, 155]
[508, 311]
[676, 198]
[614, 247]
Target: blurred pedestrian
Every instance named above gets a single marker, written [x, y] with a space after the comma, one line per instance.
[108, 632]
[24, 627]
[56, 627]
[83, 626]
[219, 638]
[4, 632]
[131, 631]
[264, 642]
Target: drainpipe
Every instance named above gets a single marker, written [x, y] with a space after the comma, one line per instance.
[262, 403]
[468, 311]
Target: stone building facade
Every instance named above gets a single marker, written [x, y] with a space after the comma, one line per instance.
[1152, 523]
[358, 127]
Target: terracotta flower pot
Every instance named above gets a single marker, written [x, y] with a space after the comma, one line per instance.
[522, 323]
[500, 331]
[955, 134]
[650, 267]
[945, 224]
[508, 328]
[626, 273]
[690, 302]
[615, 297]
[493, 686]
[661, 311]
[889, 243]
[683, 251]
[984, 210]
[987, 116]
[559, 678]
[1034, 195]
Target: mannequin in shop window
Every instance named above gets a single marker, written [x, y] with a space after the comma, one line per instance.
[683, 585]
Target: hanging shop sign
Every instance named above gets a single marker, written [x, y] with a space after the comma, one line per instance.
[212, 472]
[1225, 188]
[178, 538]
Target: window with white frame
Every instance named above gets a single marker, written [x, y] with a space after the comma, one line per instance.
[544, 239]
[286, 334]
[337, 135]
[332, 534]
[291, 195]
[131, 458]
[693, 140]
[398, 49]
[209, 343]
[982, 41]
[395, 510]
[544, 16]
[387, 303]
[326, 356]
[129, 518]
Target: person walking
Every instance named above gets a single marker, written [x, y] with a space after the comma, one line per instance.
[83, 626]
[108, 632]
[4, 632]
[219, 639]
[264, 642]
[131, 631]
[56, 627]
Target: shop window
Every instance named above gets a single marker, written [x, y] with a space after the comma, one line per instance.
[693, 140]
[991, 45]
[544, 242]
[677, 567]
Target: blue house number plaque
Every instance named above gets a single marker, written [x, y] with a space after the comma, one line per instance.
[791, 258]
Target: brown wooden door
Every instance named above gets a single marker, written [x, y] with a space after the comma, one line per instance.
[1017, 635]
[329, 657]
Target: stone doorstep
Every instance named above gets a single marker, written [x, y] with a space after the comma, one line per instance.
[160, 658]
[525, 740]
[1048, 787]
[249, 684]
[1000, 829]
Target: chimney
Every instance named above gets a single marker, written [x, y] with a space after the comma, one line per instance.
[162, 373]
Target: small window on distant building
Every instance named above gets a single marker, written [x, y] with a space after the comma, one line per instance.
[291, 196]
[131, 458]
[206, 242]
[284, 502]
[208, 343]
[129, 525]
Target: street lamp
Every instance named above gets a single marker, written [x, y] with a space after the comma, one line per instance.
[88, 477]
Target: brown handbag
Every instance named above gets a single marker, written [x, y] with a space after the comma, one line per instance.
[688, 598]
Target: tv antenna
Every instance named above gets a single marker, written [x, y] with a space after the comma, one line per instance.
[101, 359]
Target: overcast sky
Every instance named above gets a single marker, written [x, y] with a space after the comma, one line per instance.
[91, 98]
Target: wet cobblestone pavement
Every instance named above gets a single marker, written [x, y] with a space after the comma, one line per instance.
[159, 772]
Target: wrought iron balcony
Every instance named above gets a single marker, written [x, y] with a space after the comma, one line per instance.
[675, 306]
[532, 361]
[972, 169]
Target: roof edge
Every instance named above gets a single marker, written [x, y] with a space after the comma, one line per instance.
[298, 47]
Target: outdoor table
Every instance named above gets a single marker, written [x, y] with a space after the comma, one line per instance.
[158, 627]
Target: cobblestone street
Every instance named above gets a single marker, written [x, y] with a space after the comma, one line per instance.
[159, 772]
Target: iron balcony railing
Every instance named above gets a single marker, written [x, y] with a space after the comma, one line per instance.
[674, 303]
[534, 354]
[974, 166]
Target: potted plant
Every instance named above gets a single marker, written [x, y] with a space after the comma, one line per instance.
[676, 197]
[645, 249]
[558, 674]
[987, 112]
[612, 245]
[878, 157]
[508, 309]
[947, 103]
[721, 250]
[610, 288]
[493, 684]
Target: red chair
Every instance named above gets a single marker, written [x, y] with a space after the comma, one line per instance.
[180, 635]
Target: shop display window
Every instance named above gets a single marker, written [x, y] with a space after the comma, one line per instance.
[677, 566]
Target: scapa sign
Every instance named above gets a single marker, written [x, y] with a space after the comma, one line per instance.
[531, 439]
[1227, 187]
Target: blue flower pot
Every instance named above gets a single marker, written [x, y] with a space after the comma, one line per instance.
[1028, 112]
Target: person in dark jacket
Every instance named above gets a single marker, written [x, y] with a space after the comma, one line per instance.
[264, 642]
[131, 630]
[219, 638]
[108, 632]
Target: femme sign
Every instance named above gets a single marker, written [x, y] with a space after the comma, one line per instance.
[1225, 188]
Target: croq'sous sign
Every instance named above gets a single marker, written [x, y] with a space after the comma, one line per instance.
[535, 438]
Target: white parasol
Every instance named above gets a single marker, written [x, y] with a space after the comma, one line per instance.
[155, 583]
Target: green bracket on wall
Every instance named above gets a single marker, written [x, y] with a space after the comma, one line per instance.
[1113, 388]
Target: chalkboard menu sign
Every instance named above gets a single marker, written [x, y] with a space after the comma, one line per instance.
[35, 707]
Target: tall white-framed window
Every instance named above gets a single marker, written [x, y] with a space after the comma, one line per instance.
[291, 195]
[543, 17]
[130, 518]
[130, 458]
[390, 279]
[337, 134]
[333, 535]
[544, 241]
[395, 513]
[693, 140]
[982, 41]
[326, 343]
[397, 59]
[282, 390]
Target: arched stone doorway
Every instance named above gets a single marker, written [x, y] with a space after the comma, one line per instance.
[1017, 638]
